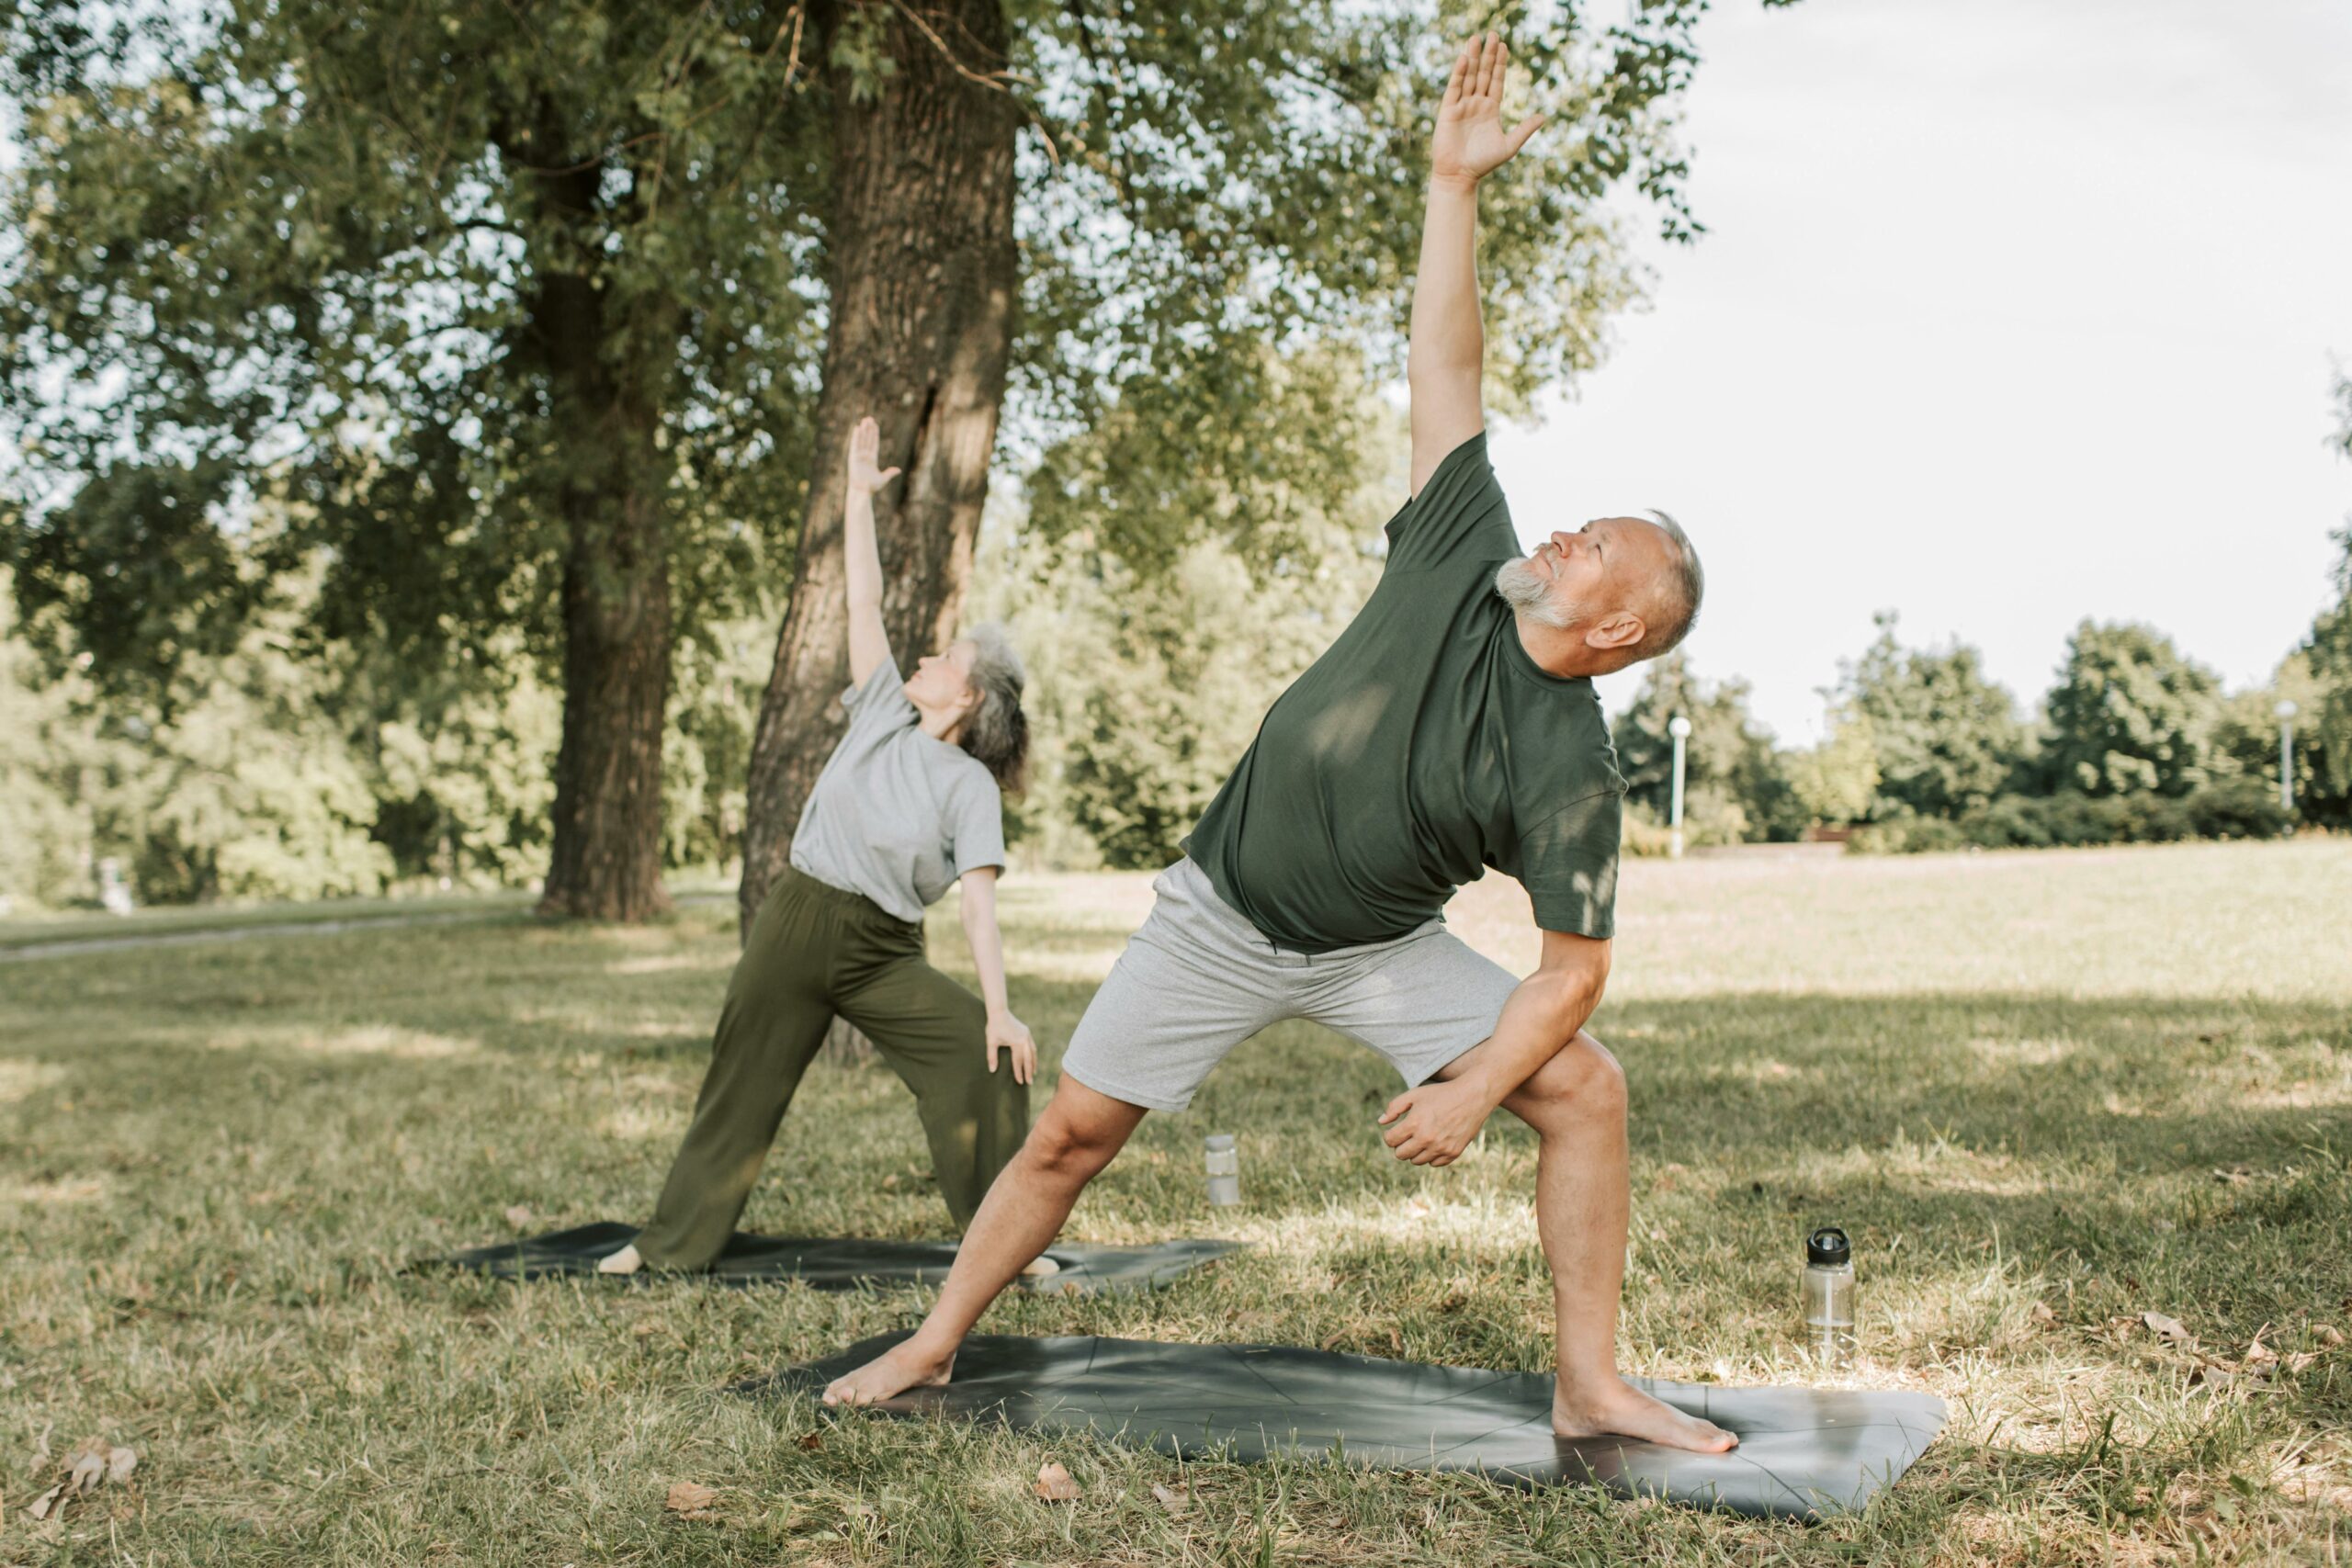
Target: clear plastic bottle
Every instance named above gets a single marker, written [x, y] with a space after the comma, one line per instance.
[1829, 1297]
[1225, 1170]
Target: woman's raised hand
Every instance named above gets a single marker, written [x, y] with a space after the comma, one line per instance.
[864, 448]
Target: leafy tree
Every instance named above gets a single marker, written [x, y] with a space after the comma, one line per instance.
[1733, 786]
[499, 309]
[1837, 781]
[1146, 686]
[1943, 738]
[1209, 187]
[558, 316]
[2129, 713]
[2324, 726]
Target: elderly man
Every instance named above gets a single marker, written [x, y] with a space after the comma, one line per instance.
[1451, 727]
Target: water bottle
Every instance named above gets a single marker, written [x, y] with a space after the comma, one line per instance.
[1829, 1297]
[1225, 1171]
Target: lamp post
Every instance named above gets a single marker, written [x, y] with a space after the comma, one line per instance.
[2286, 712]
[1679, 728]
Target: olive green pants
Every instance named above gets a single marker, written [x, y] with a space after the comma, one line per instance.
[815, 951]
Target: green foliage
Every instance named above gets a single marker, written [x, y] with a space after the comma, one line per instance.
[1733, 786]
[2130, 714]
[1145, 687]
[1837, 781]
[287, 769]
[2232, 808]
[444, 293]
[321, 256]
[1942, 737]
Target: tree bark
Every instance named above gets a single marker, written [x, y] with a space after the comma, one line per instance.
[923, 297]
[605, 860]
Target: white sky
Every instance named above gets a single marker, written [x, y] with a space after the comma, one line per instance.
[2011, 312]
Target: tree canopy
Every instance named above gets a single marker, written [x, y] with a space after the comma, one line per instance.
[523, 318]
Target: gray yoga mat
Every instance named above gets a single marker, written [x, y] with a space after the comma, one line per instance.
[840, 1264]
[1803, 1452]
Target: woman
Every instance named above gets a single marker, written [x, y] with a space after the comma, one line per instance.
[908, 803]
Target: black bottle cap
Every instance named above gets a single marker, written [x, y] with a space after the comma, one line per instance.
[1828, 1246]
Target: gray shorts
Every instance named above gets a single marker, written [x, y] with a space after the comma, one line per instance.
[1198, 979]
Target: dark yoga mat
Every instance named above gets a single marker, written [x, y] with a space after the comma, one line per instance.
[1803, 1453]
[841, 1265]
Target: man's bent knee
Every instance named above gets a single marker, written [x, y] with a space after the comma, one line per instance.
[1582, 1081]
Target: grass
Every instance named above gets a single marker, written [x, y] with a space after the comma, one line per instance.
[42, 928]
[2045, 1092]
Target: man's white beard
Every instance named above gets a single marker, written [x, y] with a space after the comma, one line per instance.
[1524, 589]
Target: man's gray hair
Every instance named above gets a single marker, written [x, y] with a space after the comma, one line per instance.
[1678, 602]
[997, 732]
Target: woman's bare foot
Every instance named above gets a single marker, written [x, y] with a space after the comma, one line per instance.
[1618, 1409]
[625, 1262]
[897, 1370]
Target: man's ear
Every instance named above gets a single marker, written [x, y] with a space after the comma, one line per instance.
[1620, 628]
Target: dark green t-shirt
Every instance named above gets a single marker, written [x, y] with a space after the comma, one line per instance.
[1424, 746]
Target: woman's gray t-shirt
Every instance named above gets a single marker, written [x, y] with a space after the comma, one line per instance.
[896, 815]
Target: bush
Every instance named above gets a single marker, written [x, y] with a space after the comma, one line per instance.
[2238, 808]
[1907, 835]
[2235, 808]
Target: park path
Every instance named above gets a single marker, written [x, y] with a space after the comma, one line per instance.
[69, 947]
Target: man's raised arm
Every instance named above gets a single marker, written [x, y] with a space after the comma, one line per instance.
[1448, 348]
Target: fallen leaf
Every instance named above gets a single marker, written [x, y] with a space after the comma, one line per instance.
[1175, 1499]
[84, 1468]
[2331, 1336]
[2042, 1312]
[812, 1442]
[2170, 1328]
[690, 1497]
[519, 1215]
[647, 1329]
[2259, 1354]
[1332, 1343]
[1417, 1210]
[120, 1462]
[1055, 1485]
[46, 1503]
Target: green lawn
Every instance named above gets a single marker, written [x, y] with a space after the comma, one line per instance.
[2045, 1092]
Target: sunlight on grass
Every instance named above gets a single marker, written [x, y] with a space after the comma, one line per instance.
[2046, 1094]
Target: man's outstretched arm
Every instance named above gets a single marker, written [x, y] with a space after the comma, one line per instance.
[1448, 348]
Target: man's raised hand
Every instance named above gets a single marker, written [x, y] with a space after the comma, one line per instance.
[1471, 142]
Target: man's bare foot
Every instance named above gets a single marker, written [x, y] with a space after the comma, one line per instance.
[1040, 1265]
[625, 1262]
[1619, 1409]
[894, 1371]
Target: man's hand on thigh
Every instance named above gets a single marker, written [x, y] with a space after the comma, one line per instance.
[1432, 1125]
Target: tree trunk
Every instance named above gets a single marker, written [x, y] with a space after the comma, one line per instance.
[605, 860]
[923, 297]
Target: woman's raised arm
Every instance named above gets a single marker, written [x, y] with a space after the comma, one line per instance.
[869, 643]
